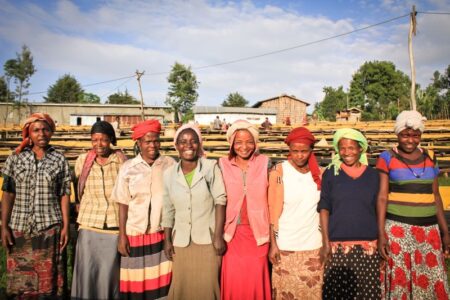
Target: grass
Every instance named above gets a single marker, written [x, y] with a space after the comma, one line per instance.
[444, 181]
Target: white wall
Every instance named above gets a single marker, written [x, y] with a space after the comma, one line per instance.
[207, 119]
[85, 120]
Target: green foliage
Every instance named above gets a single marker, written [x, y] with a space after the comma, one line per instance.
[182, 93]
[235, 100]
[380, 90]
[122, 98]
[20, 70]
[89, 98]
[5, 94]
[334, 100]
[65, 90]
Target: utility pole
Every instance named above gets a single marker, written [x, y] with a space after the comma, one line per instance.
[138, 77]
[412, 30]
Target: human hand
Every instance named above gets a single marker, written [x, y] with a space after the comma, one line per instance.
[219, 245]
[325, 253]
[168, 249]
[123, 246]
[63, 238]
[7, 238]
[383, 246]
[274, 254]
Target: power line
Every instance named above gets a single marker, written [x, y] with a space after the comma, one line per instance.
[263, 54]
[433, 13]
[117, 87]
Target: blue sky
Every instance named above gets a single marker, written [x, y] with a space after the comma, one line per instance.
[101, 40]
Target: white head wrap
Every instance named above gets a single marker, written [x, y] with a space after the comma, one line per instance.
[409, 119]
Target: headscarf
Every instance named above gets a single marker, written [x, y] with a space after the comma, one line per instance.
[304, 136]
[105, 128]
[409, 119]
[26, 128]
[200, 151]
[144, 127]
[241, 125]
[98, 127]
[352, 134]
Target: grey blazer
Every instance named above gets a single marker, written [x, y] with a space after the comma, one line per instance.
[190, 211]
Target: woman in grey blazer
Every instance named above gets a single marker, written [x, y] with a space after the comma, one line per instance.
[193, 219]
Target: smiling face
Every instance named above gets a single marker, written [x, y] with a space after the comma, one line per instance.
[187, 145]
[409, 139]
[149, 145]
[350, 151]
[40, 134]
[101, 143]
[244, 144]
[299, 154]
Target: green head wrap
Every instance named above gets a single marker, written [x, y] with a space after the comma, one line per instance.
[352, 134]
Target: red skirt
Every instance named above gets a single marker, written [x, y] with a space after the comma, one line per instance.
[245, 269]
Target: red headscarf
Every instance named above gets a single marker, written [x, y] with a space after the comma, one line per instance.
[141, 129]
[26, 128]
[304, 136]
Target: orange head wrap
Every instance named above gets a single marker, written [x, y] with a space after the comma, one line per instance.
[26, 128]
[304, 136]
[141, 129]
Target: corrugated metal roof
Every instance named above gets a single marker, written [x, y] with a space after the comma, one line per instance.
[257, 104]
[242, 110]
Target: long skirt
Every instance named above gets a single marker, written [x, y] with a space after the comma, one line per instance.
[147, 272]
[416, 266]
[353, 271]
[96, 269]
[245, 269]
[35, 267]
[195, 273]
[299, 275]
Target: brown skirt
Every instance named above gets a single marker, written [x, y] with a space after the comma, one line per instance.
[195, 273]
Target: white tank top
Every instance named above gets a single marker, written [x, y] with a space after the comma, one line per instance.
[299, 221]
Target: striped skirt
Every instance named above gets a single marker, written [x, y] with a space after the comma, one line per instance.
[35, 267]
[416, 267]
[147, 272]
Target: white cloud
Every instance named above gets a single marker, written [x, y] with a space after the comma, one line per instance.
[113, 39]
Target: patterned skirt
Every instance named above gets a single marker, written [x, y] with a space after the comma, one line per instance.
[147, 272]
[416, 266]
[299, 275]
[245, 269]
[36, 267]
[353, 271]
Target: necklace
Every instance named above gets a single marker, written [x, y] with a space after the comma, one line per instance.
[409, 168]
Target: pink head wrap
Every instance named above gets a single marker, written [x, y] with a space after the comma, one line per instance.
[26, 128]
[200, 151]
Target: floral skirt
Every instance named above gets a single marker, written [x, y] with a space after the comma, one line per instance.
[36, 267]
[416, 266]
[299, 275]
[353, 271]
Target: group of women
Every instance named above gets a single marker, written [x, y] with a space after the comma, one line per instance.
[207, 230]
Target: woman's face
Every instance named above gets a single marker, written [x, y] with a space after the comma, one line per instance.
[101, 143]
[409, 139]
[244, 144]
[40, 134]
[187, 145]
[350, 151]
[299, 153]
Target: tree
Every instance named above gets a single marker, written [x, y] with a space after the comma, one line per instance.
[89, 98]
[65, 90]
[235, 100]
[334, 100]
[380, 90]
[5, 95]
[182, 93]
[20, 69]
[122, 98]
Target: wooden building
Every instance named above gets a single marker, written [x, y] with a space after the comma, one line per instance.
[352, 115]
[289, 109]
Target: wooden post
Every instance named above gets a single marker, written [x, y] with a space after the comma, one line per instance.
[412, 30]
[138, 77]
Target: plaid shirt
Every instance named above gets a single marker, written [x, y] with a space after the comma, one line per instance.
[39, 186]
[96, 207]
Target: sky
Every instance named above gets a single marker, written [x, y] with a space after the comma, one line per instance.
[98, 41]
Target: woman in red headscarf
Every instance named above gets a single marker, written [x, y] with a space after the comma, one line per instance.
[35, 214]
[295, 239]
